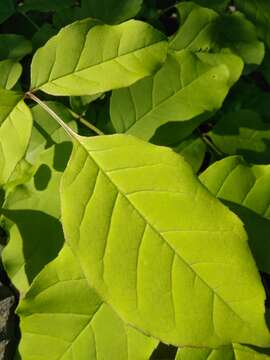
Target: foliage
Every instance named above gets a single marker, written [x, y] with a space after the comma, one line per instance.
[134, 178]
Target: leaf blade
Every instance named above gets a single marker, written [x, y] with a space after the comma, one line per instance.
[99, 50]
[131, 198]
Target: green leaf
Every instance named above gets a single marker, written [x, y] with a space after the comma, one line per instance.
[42, 191]
[14, 46]
[46, 5]
[153, 239]
[259, 13]
[189, 84]
[35, 239]
[47, 132]
[42, 35]
[172, 133]
[84, 59]
[239, 35]
[15, 132]
[10, 72]
[83, 326]
[245, 188]
[215, 4]
[7, 9]
[234, 351]
[243, 133]
[80, 103]
[203, 29]
[266, 67]
[34, 207]
[193, 150]
[111, 11]
[197, 30]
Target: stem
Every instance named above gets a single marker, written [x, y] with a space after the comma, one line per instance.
[209, 143]
[29, 19]
[86, 123]
[67, 129]
[160, 12]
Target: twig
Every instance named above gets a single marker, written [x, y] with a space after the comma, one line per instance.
[86, 123]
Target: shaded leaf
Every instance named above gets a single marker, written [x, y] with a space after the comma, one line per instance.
[46, 5]
[6, 10]
[47, 132]
[10, 71]
[188, 85]
[203, 29]
[259, 13]
[41, 192]
[245, 189]
[35, 239]
[243, 133]
[14, 46]
[193, 150]
[112, 11]
[215, 4]
[15, 132]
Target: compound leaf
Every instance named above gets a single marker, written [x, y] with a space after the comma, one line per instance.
[84, 59]
[153, 239]
[84, 326]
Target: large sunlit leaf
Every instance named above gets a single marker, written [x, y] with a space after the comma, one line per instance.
[245, 188]
[112, 11]
[10, 71]
[83, 326]
[188, 85]
[203, 29]
[84, 59]
[141, 224]
[15, 132]
[231, 352]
